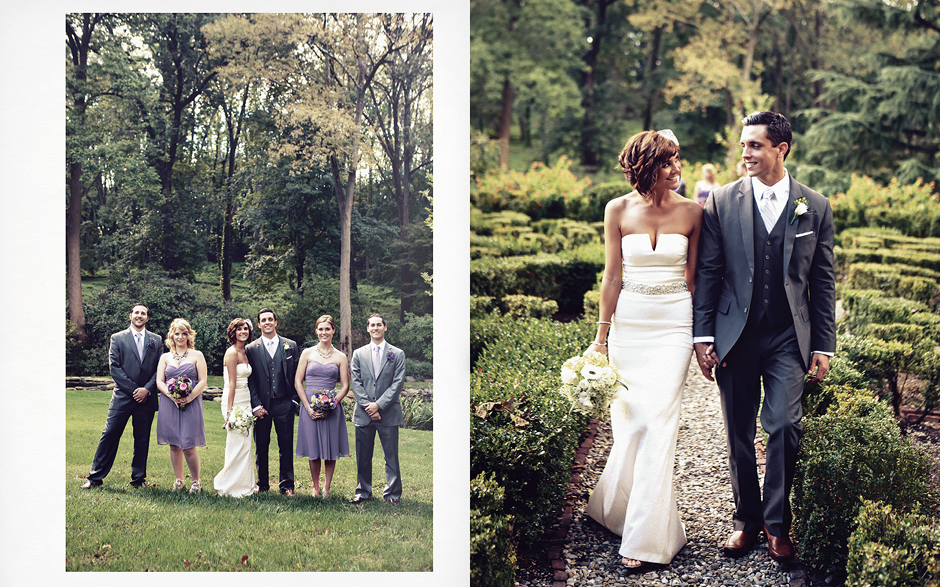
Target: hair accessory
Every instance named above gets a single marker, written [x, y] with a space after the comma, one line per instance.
[669, 135]
[250, 327]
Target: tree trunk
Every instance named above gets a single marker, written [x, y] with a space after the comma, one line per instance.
[505, 123]
[73, 229]
[653, 95]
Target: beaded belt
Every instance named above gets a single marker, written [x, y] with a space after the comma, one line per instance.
[654, 290]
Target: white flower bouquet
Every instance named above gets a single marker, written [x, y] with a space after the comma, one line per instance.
[589, 383]
[241, 419]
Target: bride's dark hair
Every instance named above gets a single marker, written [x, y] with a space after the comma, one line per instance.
[643, 156]
[233, 328]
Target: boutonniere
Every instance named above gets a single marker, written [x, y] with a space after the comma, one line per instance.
[150, 344]
[286, 347]
[390, 356]
[801, 208]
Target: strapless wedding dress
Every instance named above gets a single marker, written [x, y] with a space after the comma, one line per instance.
[650, 343]
[237, 477]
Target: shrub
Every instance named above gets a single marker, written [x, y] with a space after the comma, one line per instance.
[560, 278]
[416, 338]
[883, 360]
[481, 306]
[905, 281]
[890, 548]
[922, 259]
[522, 431]
[842, 376]
[928, 369]
[519, 306]
[540, 192]
[420, 370]
[569, 233]
[418, 413]
[590, 206]
[911, 209]
[868, 306]
[853, 452]
[492, 557]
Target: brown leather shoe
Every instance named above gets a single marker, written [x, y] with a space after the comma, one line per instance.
[780, 548]
[739, 544]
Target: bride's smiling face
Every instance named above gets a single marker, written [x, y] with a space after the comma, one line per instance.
[242, 333]
[669, 175]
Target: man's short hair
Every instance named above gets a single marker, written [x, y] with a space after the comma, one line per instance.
[144, 306]
[778, 128]
[376, 316]
[265, 311]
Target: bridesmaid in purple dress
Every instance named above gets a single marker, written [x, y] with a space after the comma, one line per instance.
[322, 435]
[180, 423]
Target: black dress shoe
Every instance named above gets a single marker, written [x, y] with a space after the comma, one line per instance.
[739, 544]
[360, 499]
[88, 485]
[140, 485]
[392, 500]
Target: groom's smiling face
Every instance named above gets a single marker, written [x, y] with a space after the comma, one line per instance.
[139, 317]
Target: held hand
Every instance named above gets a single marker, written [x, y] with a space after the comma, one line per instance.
[376, 417]
[373, 410]
[261, 413]
[819, 365]
[141, 394]
[706, 357]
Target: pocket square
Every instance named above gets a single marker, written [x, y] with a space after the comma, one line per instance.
[803, 234]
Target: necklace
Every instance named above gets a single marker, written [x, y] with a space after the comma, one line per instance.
[327, 354]
[178, 357]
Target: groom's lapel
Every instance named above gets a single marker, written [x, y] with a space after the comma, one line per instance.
[365, 358]
[745, 206]
[790, 227]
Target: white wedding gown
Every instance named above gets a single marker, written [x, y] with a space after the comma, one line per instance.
[237, 477]
[650, 343]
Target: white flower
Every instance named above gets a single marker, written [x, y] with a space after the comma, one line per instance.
[569, 376]
[590, 372]
[801, 209]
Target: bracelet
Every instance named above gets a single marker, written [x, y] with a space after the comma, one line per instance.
[599, 343]
[602, 322]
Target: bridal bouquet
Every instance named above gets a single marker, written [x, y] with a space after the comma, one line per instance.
[241, 419]
[180, 387]
[589, 383]
[323, 400]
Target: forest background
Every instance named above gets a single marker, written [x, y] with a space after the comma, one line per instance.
[32, 153]
[578, 77]
[207, 151]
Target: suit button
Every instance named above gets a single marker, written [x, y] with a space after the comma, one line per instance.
[766, 302]
[766, 271]
[768, 243]
[767, 256]
[766, 287]
[745, 310]
[750, 279]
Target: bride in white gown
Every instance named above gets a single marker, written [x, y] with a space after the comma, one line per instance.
[237, 477]
[651, 240]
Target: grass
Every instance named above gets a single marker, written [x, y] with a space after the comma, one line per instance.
[118, 528]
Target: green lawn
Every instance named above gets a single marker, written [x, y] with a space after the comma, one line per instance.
[118, 528]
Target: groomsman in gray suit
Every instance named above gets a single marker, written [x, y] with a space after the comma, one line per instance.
[378, 376]
[132, 361]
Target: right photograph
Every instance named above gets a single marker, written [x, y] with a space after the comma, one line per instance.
[704, 293]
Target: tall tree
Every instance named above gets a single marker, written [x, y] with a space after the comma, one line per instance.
[520, 44]
[399, 116]
[79, 29]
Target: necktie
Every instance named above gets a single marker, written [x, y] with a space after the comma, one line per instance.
[140, 344]
[376, 362]
[767, 211]
[270, 345]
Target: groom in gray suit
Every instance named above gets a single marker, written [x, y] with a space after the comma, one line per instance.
[132, 361]
[378, 376]
[764, 311]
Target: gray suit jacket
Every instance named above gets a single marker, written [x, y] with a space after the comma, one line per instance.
[384, 391]
[130, 372]
[724, 277]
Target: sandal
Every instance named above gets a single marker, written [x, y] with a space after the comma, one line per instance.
[196, 487]
[178, 484]
[639, 567]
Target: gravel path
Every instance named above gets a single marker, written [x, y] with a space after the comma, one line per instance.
[590, 556]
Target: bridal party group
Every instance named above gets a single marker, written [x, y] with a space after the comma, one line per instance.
[266, 382]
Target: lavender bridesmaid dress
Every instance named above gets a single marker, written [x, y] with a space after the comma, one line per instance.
[183, 428]
[325, 438]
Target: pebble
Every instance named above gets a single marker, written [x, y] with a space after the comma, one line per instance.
[705, 504]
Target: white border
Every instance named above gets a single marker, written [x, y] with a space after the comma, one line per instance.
[32, 266]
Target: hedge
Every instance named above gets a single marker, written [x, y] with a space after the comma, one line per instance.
[522, 431]
[492, 557]
[893, 548]
[563, 279]
[853, 452]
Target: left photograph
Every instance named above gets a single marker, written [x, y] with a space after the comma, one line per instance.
[249, 366]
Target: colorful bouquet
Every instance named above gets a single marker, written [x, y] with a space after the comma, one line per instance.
[323, 400]
[241, 419]
[589, 383]
[180, 387]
